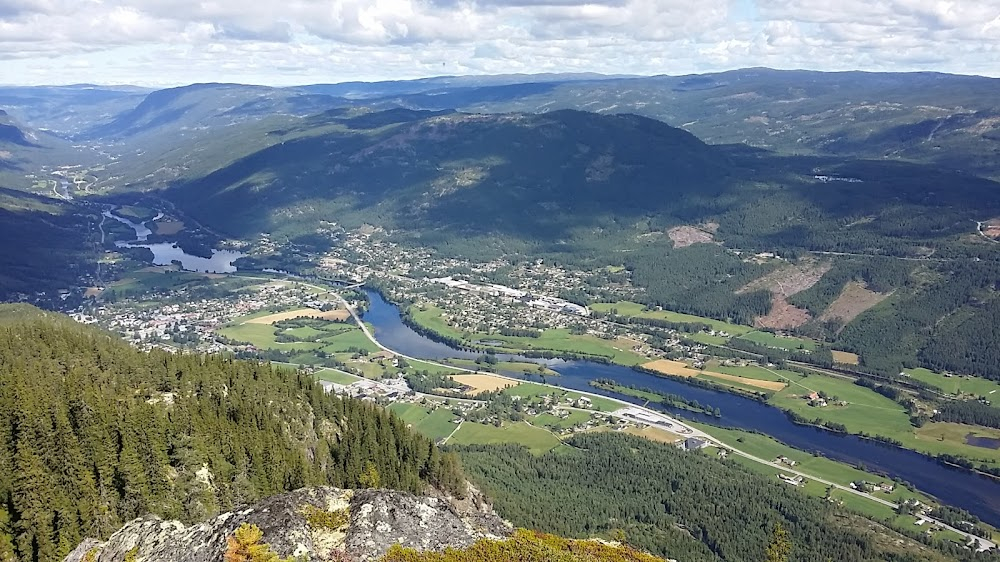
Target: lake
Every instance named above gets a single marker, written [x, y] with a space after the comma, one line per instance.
[167, 253]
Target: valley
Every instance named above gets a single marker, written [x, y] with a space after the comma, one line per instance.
[820, 318]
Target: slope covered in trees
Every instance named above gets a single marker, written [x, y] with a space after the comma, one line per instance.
[94, 433]
[670, 503]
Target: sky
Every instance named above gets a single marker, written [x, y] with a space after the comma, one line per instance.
[287, 42]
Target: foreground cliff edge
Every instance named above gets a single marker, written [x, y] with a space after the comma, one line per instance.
[332, 524]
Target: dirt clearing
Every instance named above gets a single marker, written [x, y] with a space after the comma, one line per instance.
[784, 283]
[846, 358]
[483, 383]
[669, 367]
[853, 300]
[767, 385]
[339, 314]
[683, 236]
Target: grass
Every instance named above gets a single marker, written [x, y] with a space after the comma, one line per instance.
[770, 340]
[532, 389]
[504, 366]
[353, 338]
[429, 367]
[433, 424]
[536, 439]
[154, 281]
[957, 383]
[821, 467]
[554, 422]
[563, 340]
[305, 332]
[339, 377]
[261, 336]
[626, 308]
[431, 317]
[866, 412]
[409, 413]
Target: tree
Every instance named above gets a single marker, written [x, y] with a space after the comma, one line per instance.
[370, 478]
[781, 545]
[245, 546]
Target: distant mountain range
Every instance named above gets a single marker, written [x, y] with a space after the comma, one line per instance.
[840, 167]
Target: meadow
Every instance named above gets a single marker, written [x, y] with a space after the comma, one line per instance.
[536, 439]
[627, 308]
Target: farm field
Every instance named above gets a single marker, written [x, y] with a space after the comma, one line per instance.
[681, 369]
[821, 467]
[956, 433]
[340, 337]
[675, 368]
[339, 314]
[483, 383]
[503, 366]
[957, 383]
[262, 336]
[626, 308]
[431, 318]
[654, 434]
[745, 381]
[563, 340]
[161, 279]
[536, 439]
[846, 358]
[433, 424]
[339, 377]
[575, 417]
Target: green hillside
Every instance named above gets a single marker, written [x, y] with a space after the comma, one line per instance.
[94, 433]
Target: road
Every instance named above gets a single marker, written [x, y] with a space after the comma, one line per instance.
[979, 229]
[985, 544]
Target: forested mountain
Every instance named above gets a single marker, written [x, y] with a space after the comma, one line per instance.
[94, 433]
[944, 119]
[671, 503]
[47, 244]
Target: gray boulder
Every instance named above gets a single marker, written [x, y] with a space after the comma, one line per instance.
[293, 524]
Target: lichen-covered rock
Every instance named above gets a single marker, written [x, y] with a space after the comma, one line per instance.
[377, 520]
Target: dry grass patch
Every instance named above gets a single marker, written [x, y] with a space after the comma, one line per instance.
[846, 358]
[483, 383]
[92, 292]
[766, 385]
[853, 300]
[169, 227]
[669, 367]
[654, 434]
[339, 314]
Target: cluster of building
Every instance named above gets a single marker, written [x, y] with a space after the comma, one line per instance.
[553, 304]
[366, 389]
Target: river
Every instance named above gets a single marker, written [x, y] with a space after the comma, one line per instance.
[975, 493]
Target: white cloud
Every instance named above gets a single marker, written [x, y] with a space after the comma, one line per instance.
[298, 41]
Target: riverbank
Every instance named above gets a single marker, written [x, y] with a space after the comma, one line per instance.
[853, 409]
[625, 402]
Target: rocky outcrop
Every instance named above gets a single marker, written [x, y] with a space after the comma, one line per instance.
[323, 523]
